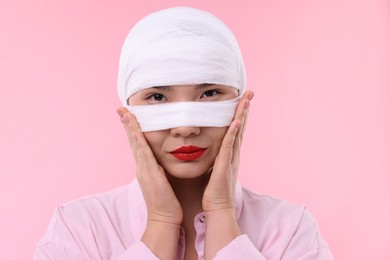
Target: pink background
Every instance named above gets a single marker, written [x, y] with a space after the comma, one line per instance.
[319, 124]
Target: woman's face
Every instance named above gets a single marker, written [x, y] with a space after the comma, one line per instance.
[194, 162]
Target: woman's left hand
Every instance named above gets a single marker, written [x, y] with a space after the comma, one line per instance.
[219, 196]
[220, 190]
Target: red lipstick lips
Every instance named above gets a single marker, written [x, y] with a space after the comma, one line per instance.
[188, 153]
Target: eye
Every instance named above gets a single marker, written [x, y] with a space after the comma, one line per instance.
[211, 93]
[156, 98]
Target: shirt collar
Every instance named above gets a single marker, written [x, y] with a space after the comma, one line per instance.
[138, 211]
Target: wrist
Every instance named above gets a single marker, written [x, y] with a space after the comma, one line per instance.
[164, 218]
[221, 228]
[162, 238]
[161, 226]
[226, 213]
[224, 222]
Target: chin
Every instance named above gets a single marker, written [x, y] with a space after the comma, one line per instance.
[187, 170]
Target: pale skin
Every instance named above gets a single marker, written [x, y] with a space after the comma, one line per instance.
[176, 191]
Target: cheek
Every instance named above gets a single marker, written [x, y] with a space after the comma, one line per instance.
[217, 134]
[220, 134]
[155, 140]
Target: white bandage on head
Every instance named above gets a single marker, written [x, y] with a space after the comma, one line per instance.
[180, 46]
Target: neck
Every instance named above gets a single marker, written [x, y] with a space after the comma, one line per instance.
[189, 193]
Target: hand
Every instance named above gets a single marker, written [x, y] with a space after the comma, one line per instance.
[162, 204]
[164, 211]
[220, 191]
[218, 199]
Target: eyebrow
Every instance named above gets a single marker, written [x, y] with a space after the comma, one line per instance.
[204, 85]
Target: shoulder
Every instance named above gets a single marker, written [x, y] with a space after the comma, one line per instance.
[277, 225]
[91, 224]
[109, 200]
[268, 207]
[97, 213]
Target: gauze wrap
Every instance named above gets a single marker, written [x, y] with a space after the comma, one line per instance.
[180, 46]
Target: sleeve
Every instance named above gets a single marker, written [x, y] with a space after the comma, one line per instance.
[53, 251]
[59, 242]
[307, 242]
[239, 248]
[138, 251]
[64, 240]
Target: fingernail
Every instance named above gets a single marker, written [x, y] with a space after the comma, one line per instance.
[251, 95]
[238, 124]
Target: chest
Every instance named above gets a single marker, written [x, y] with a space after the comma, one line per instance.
[191, 242]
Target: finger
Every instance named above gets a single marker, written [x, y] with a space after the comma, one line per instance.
[121, 111]
[240, 134]
[242, 111]
[230, 136]
[147, 162]
[132, 123]
[144, 153]
[244, 123]
[229, 142]
[132, 130]
[243, 105]
[238, 142]
[251, 94]
[126, 123]
[224, 158]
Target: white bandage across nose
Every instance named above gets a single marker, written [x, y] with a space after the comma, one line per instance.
[176, 114]
[180, 46]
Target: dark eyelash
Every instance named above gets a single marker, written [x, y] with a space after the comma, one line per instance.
[213, 89]
[150, 96]
[153, 94]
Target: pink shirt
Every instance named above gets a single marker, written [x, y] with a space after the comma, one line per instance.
[110, 225]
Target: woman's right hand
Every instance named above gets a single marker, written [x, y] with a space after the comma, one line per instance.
[164, 211]
[160, 199]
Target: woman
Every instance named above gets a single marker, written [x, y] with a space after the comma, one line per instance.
[182, 85]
